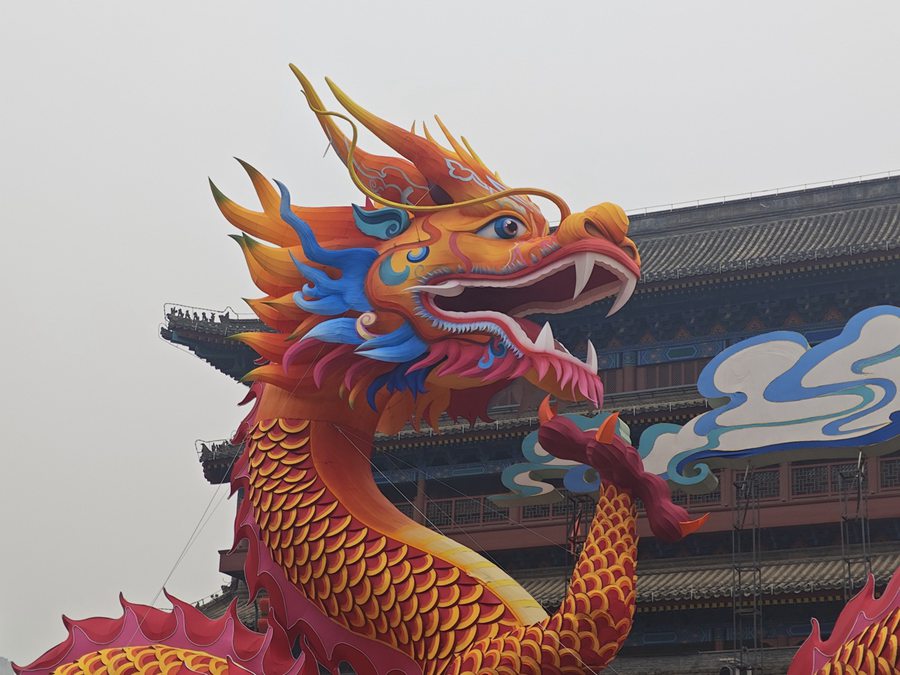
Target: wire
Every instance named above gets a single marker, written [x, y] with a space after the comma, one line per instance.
[340, 430]
[521, 526]
[405, 498]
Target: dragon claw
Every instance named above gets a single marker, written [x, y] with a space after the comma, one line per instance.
[690, 526]
[607, 431]
[546, 411]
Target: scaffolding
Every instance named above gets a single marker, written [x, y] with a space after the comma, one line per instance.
[855, 537]
[746, 574]
[580, 515]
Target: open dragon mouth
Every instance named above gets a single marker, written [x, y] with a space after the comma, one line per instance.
[499, 304]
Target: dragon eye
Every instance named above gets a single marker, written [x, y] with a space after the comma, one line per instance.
[504, 227]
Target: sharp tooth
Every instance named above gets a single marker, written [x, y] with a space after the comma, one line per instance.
[584, 265]
[623, 296]
[449, 289]
[591, 357]
[544, 341]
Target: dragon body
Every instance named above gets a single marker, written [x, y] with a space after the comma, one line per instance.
[395, 312]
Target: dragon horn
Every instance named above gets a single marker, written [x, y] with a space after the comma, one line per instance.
[404, 175]
[339, 140]
[399, 139]
[607, 431]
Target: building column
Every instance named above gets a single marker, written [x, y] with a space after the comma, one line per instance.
[421, 499]
[629, 371]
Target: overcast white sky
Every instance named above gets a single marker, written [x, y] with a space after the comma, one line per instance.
[112, 114]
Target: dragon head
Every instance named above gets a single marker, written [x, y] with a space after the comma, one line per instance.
[420, 298]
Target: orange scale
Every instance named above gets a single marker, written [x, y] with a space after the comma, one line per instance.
[310, 498]
[471, 594]
[393, 614]
[292, 426]
[410, 609]
[356, 572]
[491, 614]
[355, 617]
[265, 425]
[335, 542]
[370, 608]
[277, 434]
[421, 563]
[316, 549]
[339, 524]
[405, 589]
[427, 599]
[294, 442]
[336, 561]
[449, 617]
[381, 625]
[400, 571]
[375, 543]
[256, 458]
[317, 532]
[432, 645]
[323, 510]
[381, 582]
[447, 575]
[322, 586]
[426, 580]
[468, 615]
[266, 444]
[449, 595]
[397, 555]
[345, 600]
[294, 458]
[447, 643]
[375, 564]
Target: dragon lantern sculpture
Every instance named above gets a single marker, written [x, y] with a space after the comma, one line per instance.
[413, 305]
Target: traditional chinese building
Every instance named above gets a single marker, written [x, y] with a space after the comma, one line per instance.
[782, 544]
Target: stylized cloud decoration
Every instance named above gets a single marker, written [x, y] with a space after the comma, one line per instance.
[787, 401]
[527, 481]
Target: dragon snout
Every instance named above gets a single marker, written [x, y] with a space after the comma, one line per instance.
[604, 221]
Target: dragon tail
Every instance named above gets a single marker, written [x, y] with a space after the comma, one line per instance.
[865, 637]
[183, 640]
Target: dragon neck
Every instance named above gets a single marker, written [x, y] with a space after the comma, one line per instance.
[312, 503]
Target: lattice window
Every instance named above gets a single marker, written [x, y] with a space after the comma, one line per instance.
[768, 484]
[493, 513]
[843, 477]
[562, 509]
[467, 511]
[536, 512]
[809, 480]
[405, 508]
[679, 497]
[438, 512]
[714, 497]
[890, 473]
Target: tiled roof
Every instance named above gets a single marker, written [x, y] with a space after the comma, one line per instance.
[769, 230]
[217, 606]
[714, 581]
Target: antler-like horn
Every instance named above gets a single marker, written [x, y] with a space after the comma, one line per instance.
[447, 179]
[390, 177]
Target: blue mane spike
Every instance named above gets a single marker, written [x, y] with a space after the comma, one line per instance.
[324, 295]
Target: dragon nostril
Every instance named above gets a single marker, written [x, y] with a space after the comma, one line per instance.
[593, 230]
